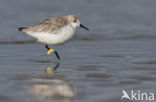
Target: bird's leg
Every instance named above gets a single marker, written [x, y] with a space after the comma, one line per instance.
[52, 50]
[49, 50]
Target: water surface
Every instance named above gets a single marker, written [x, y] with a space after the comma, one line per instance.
[118, 53]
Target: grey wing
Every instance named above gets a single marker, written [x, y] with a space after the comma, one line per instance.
[51, 25]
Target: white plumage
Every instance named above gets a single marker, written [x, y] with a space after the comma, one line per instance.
[62, 36]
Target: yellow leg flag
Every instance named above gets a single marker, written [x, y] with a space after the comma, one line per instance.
[50, 51]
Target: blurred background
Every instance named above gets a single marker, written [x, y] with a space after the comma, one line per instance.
[118, 53]
[107, 18]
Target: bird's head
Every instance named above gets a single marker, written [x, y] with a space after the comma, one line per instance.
[75, 22]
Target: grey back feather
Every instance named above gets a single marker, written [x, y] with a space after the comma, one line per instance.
[50, 25]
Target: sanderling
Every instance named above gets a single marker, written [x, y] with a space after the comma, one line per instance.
[54, 31]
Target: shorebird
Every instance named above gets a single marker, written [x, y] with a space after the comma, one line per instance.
[54, 31]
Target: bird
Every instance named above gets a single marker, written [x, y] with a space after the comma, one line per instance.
[54, 31]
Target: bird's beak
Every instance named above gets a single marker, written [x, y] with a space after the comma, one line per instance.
[82, 26]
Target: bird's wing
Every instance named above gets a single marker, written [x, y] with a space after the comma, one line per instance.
[50, 25]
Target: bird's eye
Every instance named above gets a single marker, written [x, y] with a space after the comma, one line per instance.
[75, 20]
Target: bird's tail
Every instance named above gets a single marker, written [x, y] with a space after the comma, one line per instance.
[21, 29]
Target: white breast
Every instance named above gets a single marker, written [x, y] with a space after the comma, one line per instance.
[62, 36]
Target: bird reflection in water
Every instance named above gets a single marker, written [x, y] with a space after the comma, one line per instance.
[52, 86]
[52, 70]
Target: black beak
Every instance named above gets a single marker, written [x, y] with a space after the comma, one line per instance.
[82, 26]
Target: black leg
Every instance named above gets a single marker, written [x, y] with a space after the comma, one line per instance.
[46, 46]
[57, 55]
[57, 65]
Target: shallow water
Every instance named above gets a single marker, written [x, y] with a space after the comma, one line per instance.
[118, 53]
[92, 73]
